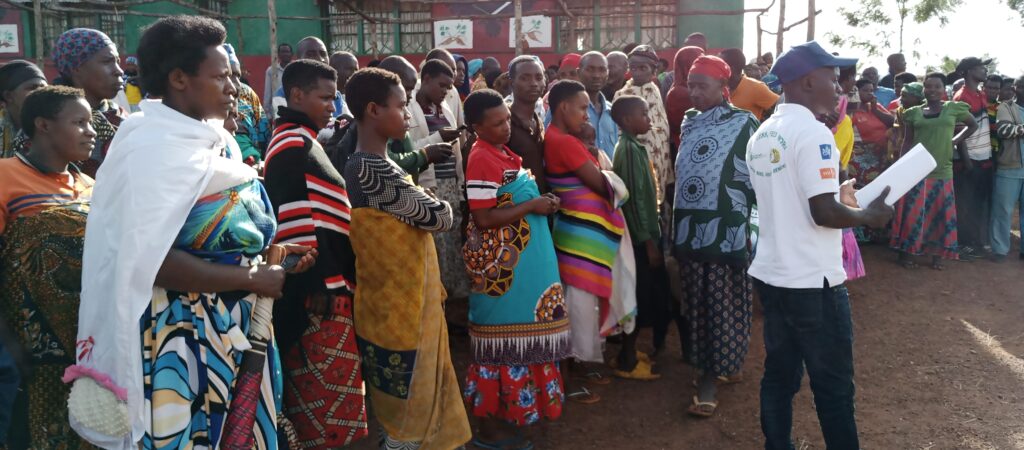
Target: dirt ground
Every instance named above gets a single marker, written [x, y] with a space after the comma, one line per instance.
[938, 366]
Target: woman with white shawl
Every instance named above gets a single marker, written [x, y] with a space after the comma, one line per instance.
[171, 268]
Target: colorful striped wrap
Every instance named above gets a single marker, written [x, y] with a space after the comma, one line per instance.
[587, 233]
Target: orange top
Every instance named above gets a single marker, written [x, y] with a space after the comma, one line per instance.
[26, 191]
[753, 96]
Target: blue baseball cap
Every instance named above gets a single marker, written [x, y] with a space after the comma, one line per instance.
[801, 59]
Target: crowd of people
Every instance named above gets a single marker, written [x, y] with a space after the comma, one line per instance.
[224, 270]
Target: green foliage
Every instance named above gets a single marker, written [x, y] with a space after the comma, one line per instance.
[948, 65]
[881, 20]
[926, 10]
[1017, 5]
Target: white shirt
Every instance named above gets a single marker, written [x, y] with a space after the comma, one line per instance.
[793, 158]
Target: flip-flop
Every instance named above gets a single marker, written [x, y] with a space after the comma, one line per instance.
[723, 380]
[702, 409]
[503, 444]
[594, 377]
[584, 397]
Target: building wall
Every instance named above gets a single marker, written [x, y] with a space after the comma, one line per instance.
[251, 38]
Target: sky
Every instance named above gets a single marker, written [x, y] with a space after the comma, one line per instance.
[972, 31]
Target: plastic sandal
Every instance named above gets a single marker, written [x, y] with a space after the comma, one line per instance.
[504, 444]
[595, 377]
[584, 396]
[642, 372]
[702, 409]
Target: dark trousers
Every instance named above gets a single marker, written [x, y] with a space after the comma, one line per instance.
[808, 328]
[9, 382]
[653, 296]
[973, 190]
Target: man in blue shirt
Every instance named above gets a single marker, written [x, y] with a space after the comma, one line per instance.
[883, 94]
[593, 73]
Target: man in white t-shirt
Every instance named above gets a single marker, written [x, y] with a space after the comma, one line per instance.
[798, 267]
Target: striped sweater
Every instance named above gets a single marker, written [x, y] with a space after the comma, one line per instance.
[312, 208]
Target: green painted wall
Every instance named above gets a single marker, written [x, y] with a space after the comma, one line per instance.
[255, 35]
[722, 31]
[28, 36]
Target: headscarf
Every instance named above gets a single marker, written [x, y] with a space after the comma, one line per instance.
[16, 72]
[571, 60]
[645, 51]
[474, 66]
[133, 60]
[464, 89]
[232, 56]
[916, 89]
[714, 67]
[75, 46]
[677, 101]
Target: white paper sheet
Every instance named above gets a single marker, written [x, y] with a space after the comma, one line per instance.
[903, 175]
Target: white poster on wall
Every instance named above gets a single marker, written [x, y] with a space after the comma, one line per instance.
[453, 34]
[537, 31]
[9, 42]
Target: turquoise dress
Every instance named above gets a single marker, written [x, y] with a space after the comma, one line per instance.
[517, 311]
[192, 342]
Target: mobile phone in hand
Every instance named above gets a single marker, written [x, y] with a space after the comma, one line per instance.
[290, 261]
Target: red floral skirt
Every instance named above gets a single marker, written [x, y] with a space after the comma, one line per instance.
[519, 395]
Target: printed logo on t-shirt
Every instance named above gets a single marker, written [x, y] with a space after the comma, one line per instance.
[509, 176]
[827, 173]
[826, 151]
[764, 159]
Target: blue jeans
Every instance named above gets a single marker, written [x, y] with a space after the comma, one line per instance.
[1007, 194]
[812, 328]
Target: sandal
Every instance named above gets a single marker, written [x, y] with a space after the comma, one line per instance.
[640, 357]
[584, 396]
[908, 264]
[594, 377]
[642, 372]
[938, 266]
[732, 379]
[723, 380]
[512, 443]
[702, 409]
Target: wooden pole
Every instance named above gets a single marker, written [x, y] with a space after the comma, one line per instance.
[38, 19]
[811, 14]
[759, 34]
[518, 26]
[782, 27]
[272, 18]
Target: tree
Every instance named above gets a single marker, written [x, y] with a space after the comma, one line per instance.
[878, 15]
[948, 65]
[1017, 5]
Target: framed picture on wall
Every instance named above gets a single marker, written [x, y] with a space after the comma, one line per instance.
[10, 42]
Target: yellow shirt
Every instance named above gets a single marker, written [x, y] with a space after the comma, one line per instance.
[844, 141]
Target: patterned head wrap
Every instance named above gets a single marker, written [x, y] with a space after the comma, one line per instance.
[232, 56]
[645, 51]
[916, 89]
[76, 46]
[131, 60]
[714, 67]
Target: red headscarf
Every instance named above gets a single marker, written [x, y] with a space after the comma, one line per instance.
[714, 67]
[571, 61]
[677, 101]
